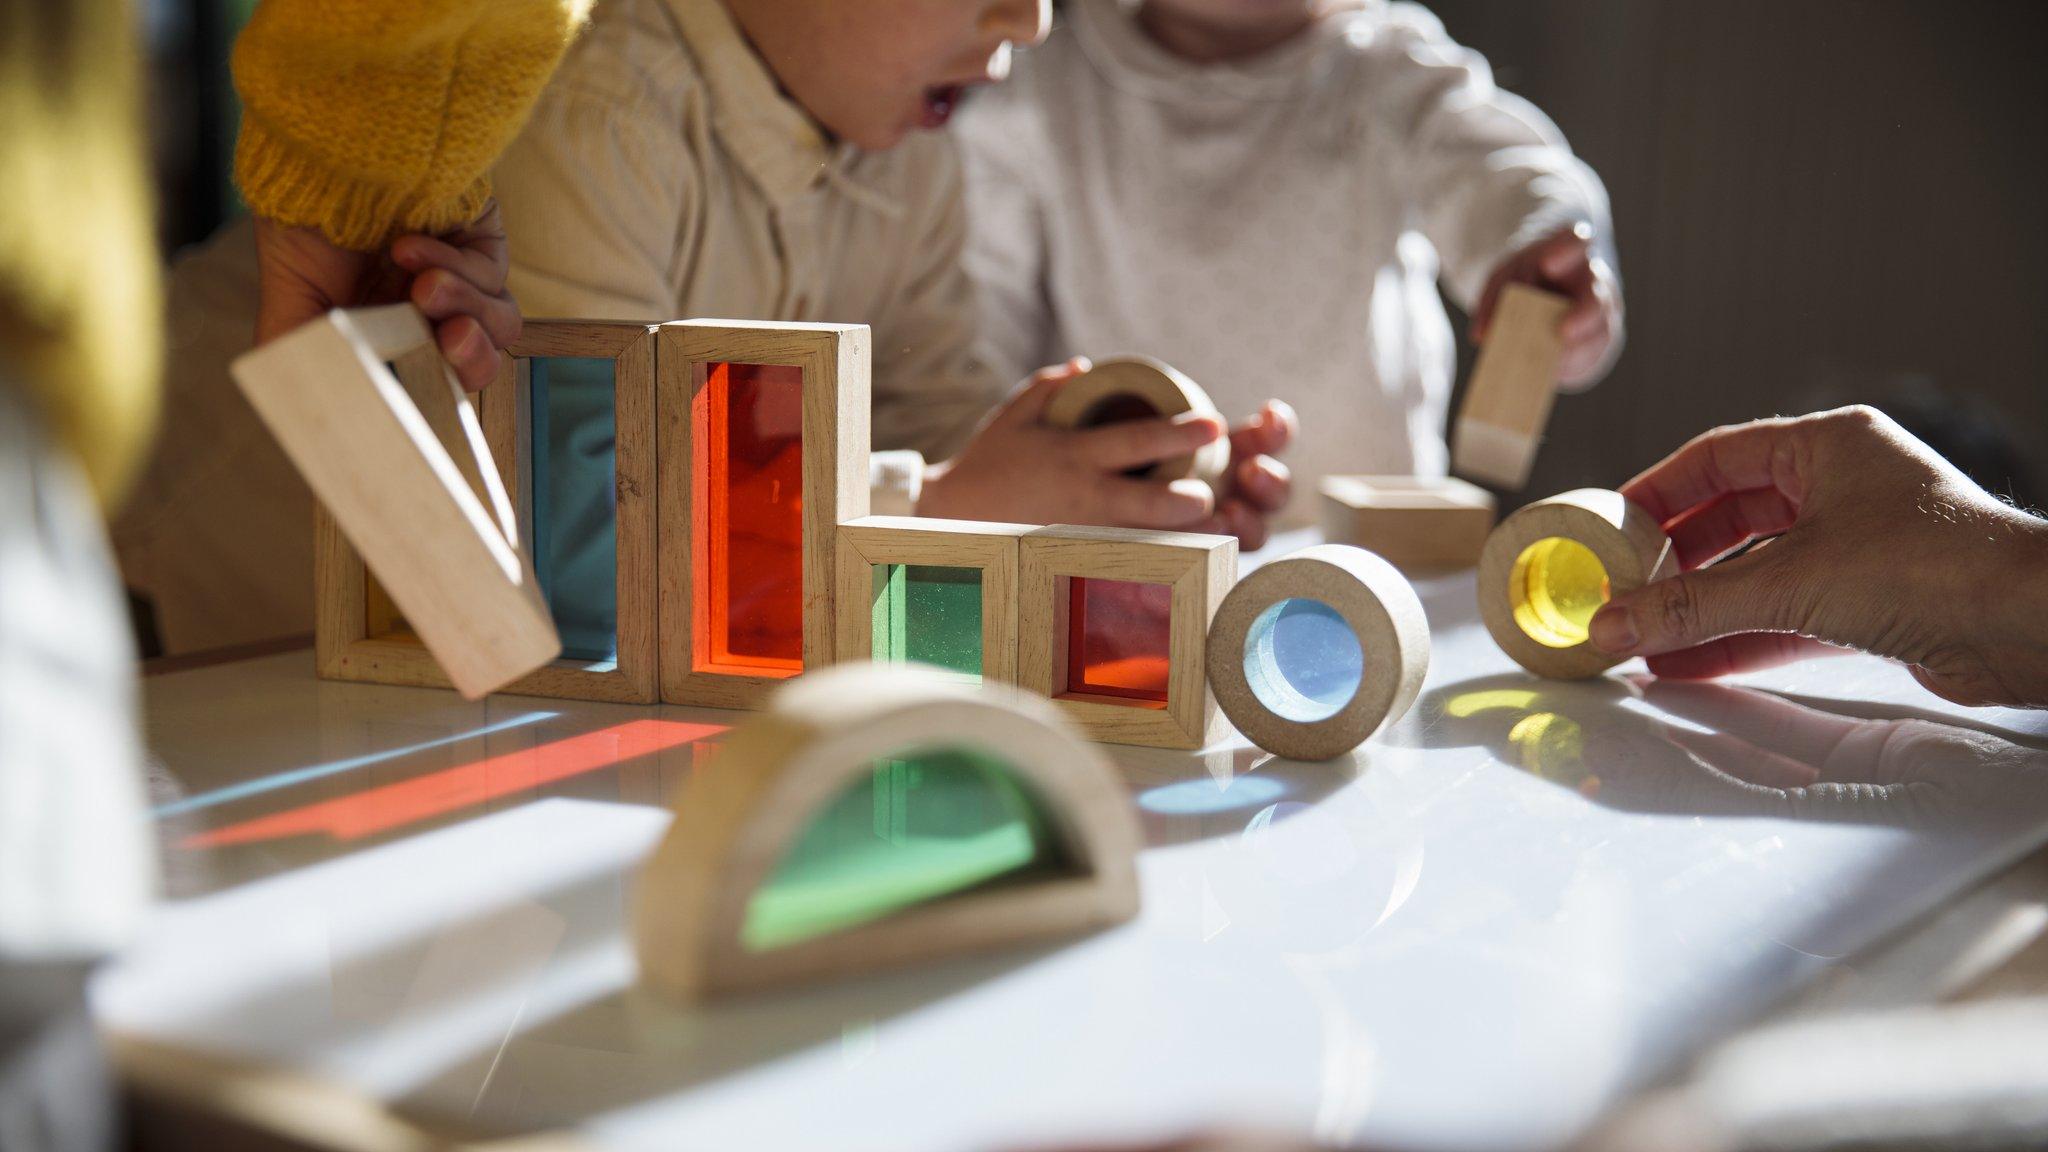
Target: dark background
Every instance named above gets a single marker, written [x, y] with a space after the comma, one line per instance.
[1817, 202]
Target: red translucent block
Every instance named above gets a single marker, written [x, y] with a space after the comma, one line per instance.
[1119, 640]
[747, 527]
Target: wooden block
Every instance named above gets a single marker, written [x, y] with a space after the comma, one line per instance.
[1419, 524]
[370, 415]
[750, 519]
[1550, 566]
[1151, 687]
[1279, 663]
[988, 549]
[1129, 387]
[1514, 382]
[841, 729]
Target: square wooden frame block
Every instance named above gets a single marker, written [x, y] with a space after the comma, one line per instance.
[1419, 524]
[503, 413]
[989, 547]
[835, 362]
[1200, 570]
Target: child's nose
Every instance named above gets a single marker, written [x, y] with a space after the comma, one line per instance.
[1024, 22]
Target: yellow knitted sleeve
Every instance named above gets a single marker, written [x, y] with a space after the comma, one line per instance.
[370, 118]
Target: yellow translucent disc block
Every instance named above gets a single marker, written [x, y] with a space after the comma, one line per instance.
[1557, 585]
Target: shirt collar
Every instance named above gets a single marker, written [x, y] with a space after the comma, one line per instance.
[1108, 33]
[771, 138]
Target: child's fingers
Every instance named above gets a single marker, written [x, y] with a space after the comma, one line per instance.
[1566, 253]
[1264, 483]
[442, 295]
[1028, 404]
[1135, 443]
[484, 267]
[1149, 504]
[469, 351]
[1267, 433]
[1243, 521]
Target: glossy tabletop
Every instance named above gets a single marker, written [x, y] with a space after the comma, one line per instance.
[1477, 931]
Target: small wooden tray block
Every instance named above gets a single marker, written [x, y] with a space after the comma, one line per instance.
[990, 548]
[1160, 387]
[1514, 383]
[1628, 542]
[822, 734]
[1379, 606]
[1199, 569]
[1419, 524]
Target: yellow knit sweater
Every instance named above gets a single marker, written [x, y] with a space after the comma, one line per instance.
[369, 118]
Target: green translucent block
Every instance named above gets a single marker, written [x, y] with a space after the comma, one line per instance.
[574, 499]
[927, 825]
[928, 615]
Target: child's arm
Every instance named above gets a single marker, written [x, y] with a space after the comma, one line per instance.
[1495, 187]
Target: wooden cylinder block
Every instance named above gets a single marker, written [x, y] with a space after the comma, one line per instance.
[1552, 564]
[1283, 669]
[1136, 386]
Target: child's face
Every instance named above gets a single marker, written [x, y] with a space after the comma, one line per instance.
[871, 71]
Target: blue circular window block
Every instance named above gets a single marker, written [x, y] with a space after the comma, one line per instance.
[1302, 660]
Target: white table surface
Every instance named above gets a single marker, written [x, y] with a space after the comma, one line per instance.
[1479, 931]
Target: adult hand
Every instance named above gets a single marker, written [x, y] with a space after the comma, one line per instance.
[1564, 263]
[1257, 485]
[1879, 544]
[1018, 469]
[456, 280]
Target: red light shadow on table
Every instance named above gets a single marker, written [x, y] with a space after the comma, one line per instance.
[747, 522]
[380, 810]
[1118, 638]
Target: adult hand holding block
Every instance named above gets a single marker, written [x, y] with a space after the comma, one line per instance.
[369, 413]
[1875, 542]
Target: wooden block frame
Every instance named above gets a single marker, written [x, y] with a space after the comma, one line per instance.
[1200, 569]
[990, 548]
[835, 361]
[1513, 385]
[1419, 524]
[634, 677]
[1160, 387]
[1385, 616]
[737, 816]
[1627, 541]
[371, 416]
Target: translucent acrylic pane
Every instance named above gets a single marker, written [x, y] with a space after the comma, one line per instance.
[917, 828]
[747, 513]
[928, 615]
[1556, 586]
[1302, 660]
[1118, 639]
[574, 497]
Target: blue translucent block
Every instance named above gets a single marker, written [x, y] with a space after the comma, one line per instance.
[1302, 660]
[574, 498]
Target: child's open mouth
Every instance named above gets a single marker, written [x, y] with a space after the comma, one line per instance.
[939, 104]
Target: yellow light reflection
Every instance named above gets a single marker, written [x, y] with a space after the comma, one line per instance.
[1553, 747]
[1556, 586]
[1468, 704]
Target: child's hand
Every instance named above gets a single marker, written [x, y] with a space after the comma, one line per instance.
[1564, 263]
[1017, 469]
[1257, 485]
[457, 280]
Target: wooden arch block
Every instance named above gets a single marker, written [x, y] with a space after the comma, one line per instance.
[763, 454]
[1283, 668]
[1132, 386]
[1113, 624]
[1514, 383]
[368, 412]
[1419, 524]
[723, 909]
[1550, 566]
[906, 548]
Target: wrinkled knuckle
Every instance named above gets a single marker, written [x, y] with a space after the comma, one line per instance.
[1678, 611]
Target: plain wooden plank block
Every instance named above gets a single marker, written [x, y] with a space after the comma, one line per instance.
[1199, 569]
[1630, 546]
[738, 816]
[1386, 618]
[1086, 400]
[987, 547]
[834, 359]
[402, 472]
[1514, 383]
[1419, 524]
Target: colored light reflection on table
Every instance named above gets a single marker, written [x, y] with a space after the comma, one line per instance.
[914, 829]
[1302, 660]
[1119, 636]
[748, 525]
[394, 806]
[1556, 586]
[928, 615]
